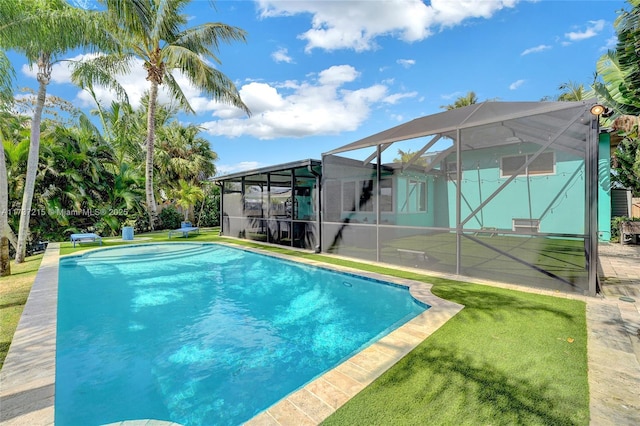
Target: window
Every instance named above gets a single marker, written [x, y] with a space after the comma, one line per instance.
[542, 165]
[348, 196]
[366, 196]
[418, 194]
[386, 195]
[415, 199]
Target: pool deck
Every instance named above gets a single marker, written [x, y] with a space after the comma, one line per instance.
[27, 379]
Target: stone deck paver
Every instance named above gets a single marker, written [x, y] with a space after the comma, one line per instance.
[614, 338]
[28, 376]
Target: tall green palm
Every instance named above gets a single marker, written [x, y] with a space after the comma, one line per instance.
[42, 30]
[571, 92]
[469, 99]
[6, 96]
[182, 154]
[5, 265]
[188, 195]
[154, 31]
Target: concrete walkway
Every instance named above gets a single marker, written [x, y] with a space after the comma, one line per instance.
[614, 338]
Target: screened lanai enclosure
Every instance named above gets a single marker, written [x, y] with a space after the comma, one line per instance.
[274, 204]
[504, 191]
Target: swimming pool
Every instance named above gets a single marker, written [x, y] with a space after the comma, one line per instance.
[205, 333]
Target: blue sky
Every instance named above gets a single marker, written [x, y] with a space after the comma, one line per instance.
[321, 74]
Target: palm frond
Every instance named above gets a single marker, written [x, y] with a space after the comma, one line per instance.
[206, 78]
[101, 71]
[205, 39]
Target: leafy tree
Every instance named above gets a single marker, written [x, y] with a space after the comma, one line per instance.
[625, 161]
[170, 218]
[154, 32]
[618, 87]
[42, 30]
[209, 208]
[618, 72]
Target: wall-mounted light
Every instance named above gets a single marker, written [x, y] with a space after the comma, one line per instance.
[597, 109]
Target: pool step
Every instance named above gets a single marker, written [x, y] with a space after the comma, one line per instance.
[145, 253]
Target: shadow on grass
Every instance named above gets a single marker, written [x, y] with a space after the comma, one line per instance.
[495, 302]
[481, 390]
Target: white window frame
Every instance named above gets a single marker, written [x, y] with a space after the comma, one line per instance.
[526, 170]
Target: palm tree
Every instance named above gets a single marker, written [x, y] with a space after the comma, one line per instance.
[5, 265]
[469, 99]
[572, 92]
[6, 96]
[153, 31]
[188, 195]
[41, 30]
[182, 154]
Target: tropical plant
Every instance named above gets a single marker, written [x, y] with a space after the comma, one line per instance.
[6, 96]
[406, 156]
[617, 82]
[625, 161]
[572, 91]
[154, 32]
[188, 195]
[15, 143]
[469, 99]
[170, 218]
[617, 86]
[209, 208]
[41, 30]
[5, 265]
[182, 154]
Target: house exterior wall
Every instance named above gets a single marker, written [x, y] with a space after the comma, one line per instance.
[555, 199]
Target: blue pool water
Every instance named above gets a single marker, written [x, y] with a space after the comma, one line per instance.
[204, 334]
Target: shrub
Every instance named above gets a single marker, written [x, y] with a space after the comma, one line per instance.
[170, 218]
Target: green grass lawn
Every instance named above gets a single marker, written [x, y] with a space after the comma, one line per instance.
[14, 291]
[508, 358]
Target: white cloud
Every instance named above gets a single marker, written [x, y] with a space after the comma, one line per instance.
[516, 84]
[225, 169]
[448, 96]
[592, 30]
[356, 24]
[393, 99]
[282, 55]
[407, 63]
[537, 49]
[321, 105]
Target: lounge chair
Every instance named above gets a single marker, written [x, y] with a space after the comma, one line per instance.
[185, 228]
[85, 237]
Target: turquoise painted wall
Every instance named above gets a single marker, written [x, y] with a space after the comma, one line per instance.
[406, 207]
[604, 187]
[556, 199]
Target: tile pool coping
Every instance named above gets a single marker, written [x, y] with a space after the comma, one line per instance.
[27, 379]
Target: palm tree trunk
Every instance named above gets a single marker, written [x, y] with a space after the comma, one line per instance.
[5, 265]
[151, 135]
[44, 76]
